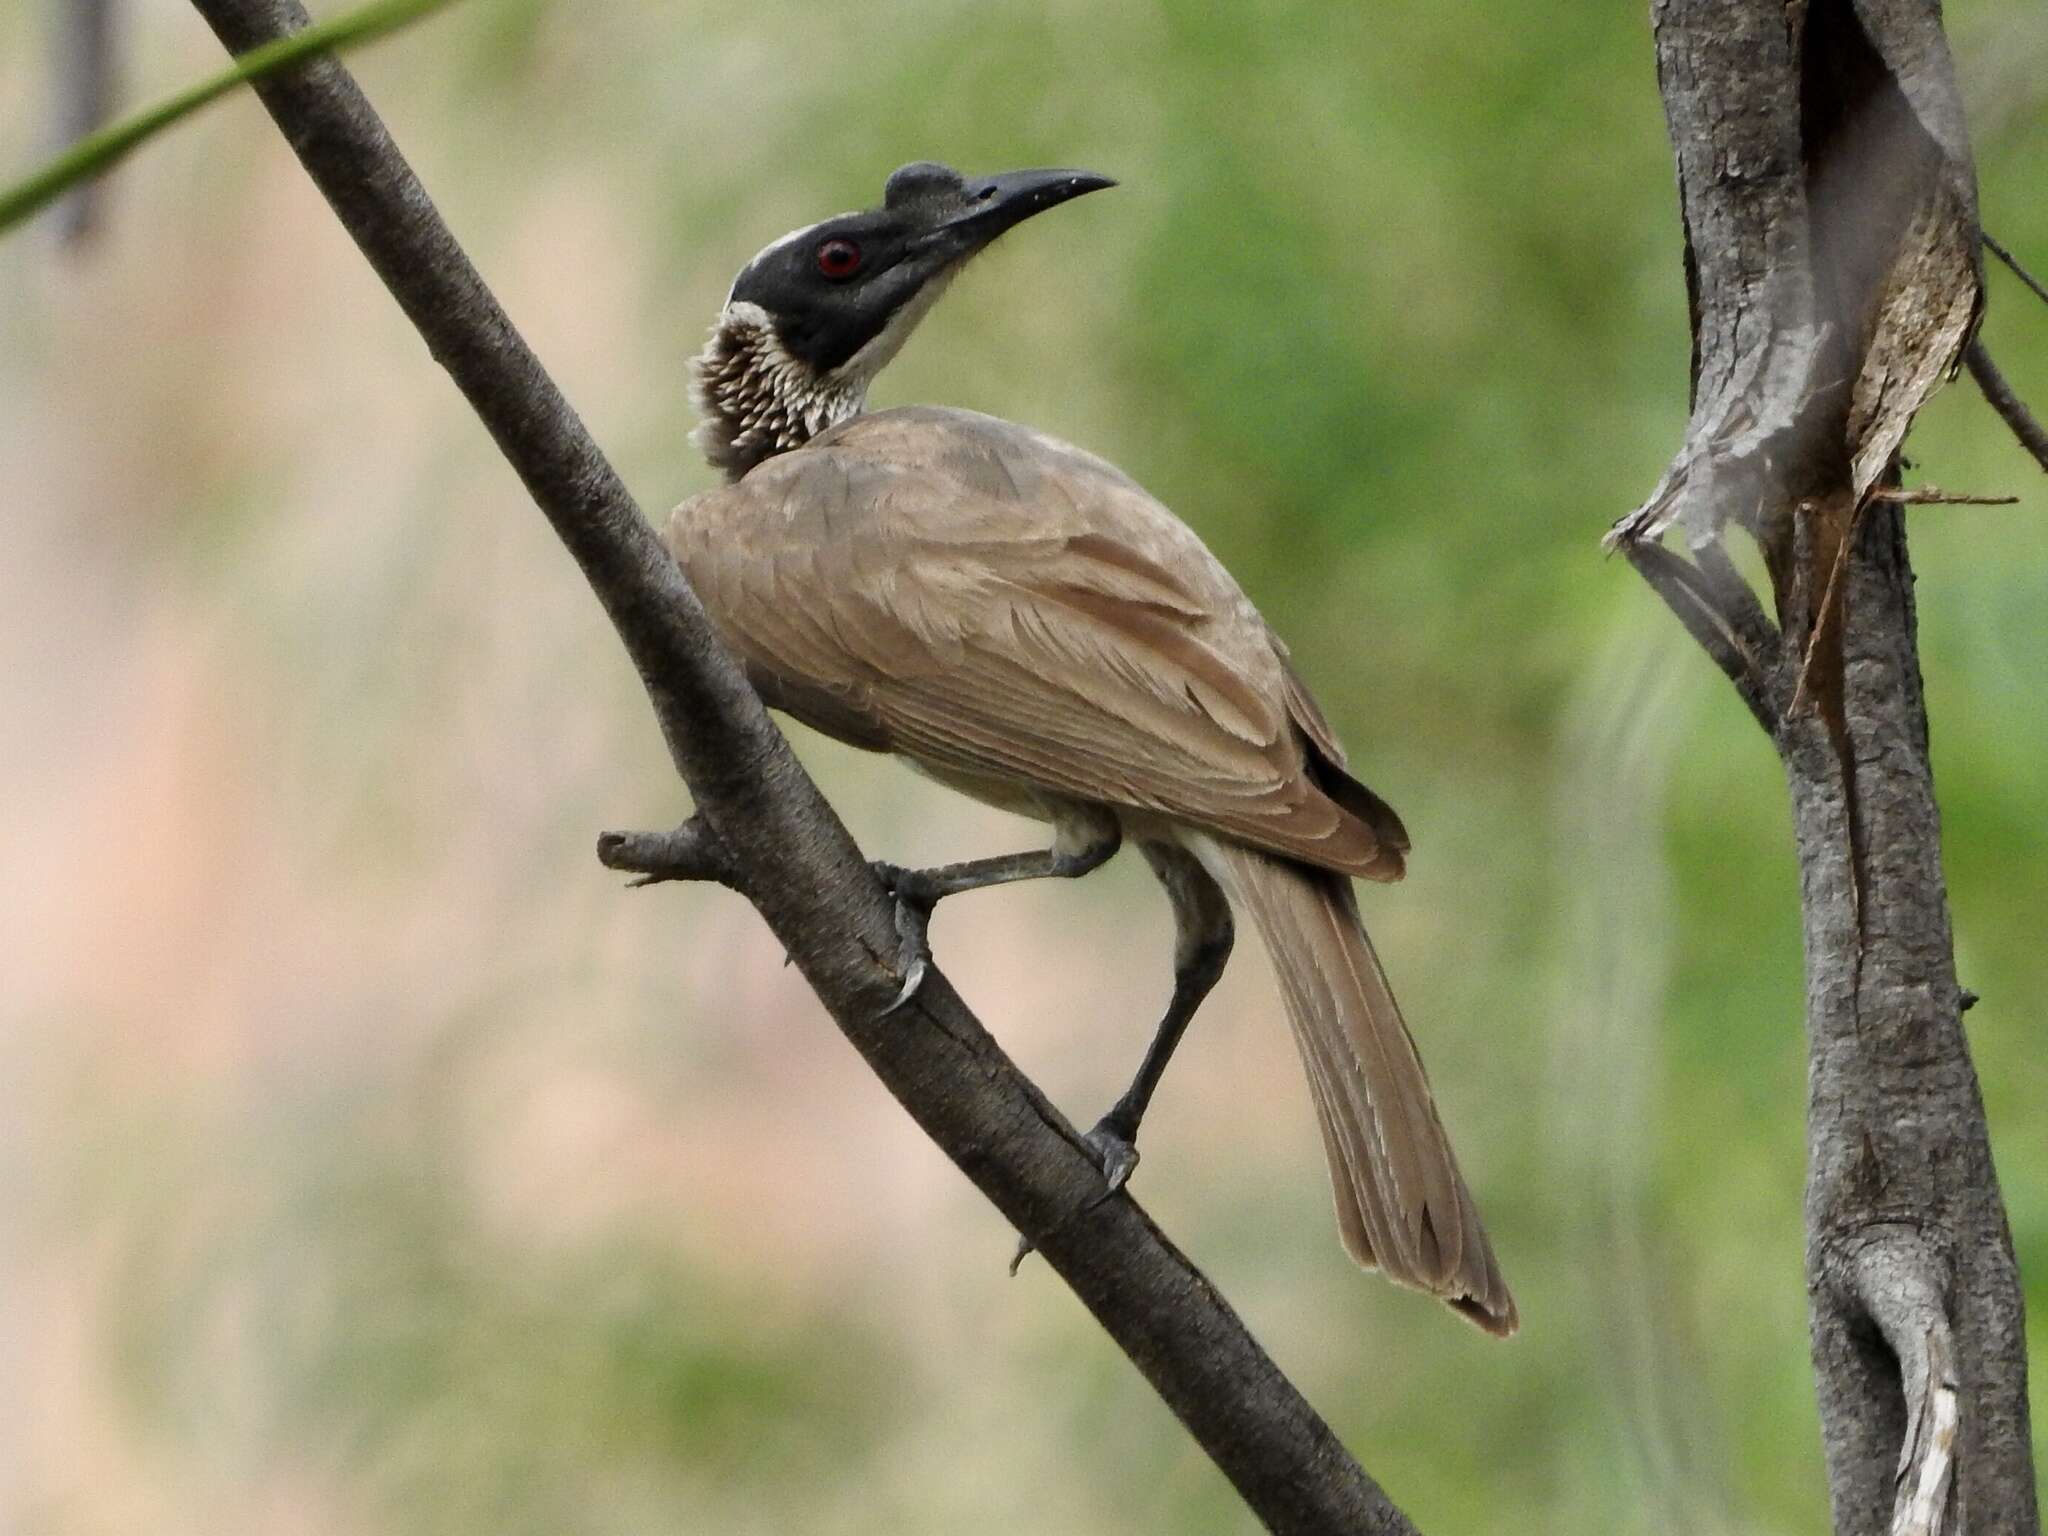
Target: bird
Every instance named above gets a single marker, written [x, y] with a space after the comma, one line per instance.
[1020, 621]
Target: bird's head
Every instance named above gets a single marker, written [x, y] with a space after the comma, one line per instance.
[813, 318]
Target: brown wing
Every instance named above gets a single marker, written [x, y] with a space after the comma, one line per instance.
[983, 599]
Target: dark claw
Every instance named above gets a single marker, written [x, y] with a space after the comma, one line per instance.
[913, 977]
[910, 887]
[914, 905]
[1115, 1154]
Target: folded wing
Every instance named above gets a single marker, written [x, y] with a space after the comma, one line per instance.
[986, 600]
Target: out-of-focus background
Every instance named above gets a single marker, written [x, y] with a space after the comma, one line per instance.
[375, 1163]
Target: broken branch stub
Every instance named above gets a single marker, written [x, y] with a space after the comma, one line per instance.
[1831, 243]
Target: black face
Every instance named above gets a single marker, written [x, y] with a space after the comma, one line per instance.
[832, 288]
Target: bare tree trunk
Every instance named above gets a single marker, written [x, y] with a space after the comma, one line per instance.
[1905, 1227]
[1831, 260]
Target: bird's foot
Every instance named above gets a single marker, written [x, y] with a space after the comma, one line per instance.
[915, 897]
[1116, 1154]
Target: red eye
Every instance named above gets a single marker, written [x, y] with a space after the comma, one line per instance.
[838, 259]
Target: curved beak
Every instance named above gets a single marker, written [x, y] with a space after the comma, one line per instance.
[994, 204]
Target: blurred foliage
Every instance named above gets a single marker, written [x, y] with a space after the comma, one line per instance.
[385, 1168]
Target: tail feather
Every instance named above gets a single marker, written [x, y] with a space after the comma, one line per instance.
[1402, 1206]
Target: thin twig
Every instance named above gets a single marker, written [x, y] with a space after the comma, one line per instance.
[2007, 403]
[1930, 496]
[2012, 262]
[801, 869]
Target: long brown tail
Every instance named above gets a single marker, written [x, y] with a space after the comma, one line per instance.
[1401, 1203]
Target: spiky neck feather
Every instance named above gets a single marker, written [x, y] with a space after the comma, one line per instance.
[754, 400]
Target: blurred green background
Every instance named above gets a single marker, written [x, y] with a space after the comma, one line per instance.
[376, 1163]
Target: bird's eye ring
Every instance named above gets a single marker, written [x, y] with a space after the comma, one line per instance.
[838, 259]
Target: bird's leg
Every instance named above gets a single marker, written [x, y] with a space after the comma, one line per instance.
[1084, 841]
[1203, 933]
[1202, 938]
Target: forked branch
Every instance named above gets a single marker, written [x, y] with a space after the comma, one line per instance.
[1834, 284]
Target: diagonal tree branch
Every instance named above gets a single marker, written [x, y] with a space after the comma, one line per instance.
[1738, 641]
[784, 848]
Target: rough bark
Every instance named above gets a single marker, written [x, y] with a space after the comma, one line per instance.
[763, 828]
[1831, 262]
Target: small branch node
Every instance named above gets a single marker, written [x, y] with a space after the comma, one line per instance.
[691, 851]
[2012, 263]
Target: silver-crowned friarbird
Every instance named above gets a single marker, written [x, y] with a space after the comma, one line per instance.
[1021, 621]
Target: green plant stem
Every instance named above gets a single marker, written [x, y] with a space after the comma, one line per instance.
[95, 153]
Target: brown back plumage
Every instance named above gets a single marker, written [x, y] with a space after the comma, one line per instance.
[994, 603]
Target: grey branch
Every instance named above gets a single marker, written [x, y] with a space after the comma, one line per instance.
[2012, 264]
[1724, 629]
[2007, 402]
[88, 48]
[1830, 217]
[2003, 397]
[792, 857]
